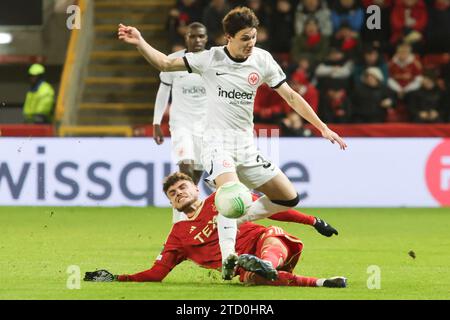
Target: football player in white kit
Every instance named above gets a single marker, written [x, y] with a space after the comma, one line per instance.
[232, 74]
[187, 112]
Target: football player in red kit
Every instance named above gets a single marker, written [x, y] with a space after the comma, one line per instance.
[266, 255]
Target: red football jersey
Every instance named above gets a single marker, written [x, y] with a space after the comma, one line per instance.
[197, 239]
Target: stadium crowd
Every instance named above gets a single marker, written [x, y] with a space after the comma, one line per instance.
[347, 72]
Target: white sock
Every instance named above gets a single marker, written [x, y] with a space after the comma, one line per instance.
[177, 216]
[260, 209]
[319, 282]
[227, 229]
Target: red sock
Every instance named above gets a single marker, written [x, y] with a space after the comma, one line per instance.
[306, 281]
[292, 215]
[284, 279]
[274, 254]
[290, 279]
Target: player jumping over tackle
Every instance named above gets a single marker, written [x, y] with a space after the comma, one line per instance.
[267, 255]
[232, 74]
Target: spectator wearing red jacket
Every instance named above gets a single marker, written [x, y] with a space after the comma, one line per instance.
[409, 19]
[335, 105]
[268, 107]
[300, 83]
[405, 71]
[271, 108]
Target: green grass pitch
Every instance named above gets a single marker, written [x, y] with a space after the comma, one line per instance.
[37, 245]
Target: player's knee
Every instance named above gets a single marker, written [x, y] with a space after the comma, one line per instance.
[288, 203]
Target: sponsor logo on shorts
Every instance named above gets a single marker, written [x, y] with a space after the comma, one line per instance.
[227, 164]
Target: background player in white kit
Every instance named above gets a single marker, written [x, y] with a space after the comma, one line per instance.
[232, 74]
[187, 112]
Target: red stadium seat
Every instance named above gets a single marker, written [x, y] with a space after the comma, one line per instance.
[27, 130]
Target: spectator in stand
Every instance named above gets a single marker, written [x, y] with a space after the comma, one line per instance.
[347, 40]
[268, 107]
[303, 64]
[425, 104]
[348, 12]
[408, 21]
[261, 12]
[335, 106]
[335, 71]
[405, 71]
[370, 57]
[438, 28]
[281, 27]
[40, 98]
[293, 126]
[371, 99]
[271, 108]
[317, 9]
[212, 19]
[300, 83]
[184, 13]
[378, 37]
[312, 44]
[262, 38]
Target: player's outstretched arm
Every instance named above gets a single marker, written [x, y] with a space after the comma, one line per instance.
[304, 109]
[161, 103]
[156, 274]
[156, 58]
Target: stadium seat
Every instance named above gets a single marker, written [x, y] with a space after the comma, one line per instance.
[432, 61]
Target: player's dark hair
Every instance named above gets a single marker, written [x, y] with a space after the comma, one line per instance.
[174, 178]
[196, 25]
[238, 19]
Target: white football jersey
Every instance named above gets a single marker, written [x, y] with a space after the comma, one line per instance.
[188, 107]
[231, 85]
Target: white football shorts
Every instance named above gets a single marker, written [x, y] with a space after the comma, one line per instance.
[251, 167]
[186, 146]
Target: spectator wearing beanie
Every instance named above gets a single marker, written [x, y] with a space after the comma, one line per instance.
[371, 99]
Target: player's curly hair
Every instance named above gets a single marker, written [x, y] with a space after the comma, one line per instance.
[239, 18]
[174, 178]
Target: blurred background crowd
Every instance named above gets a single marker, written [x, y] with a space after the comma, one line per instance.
[346, 71]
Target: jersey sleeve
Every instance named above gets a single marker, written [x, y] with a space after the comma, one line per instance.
[171, 255]
[274, 75]
[175, 248]
[166, 78]
[161, 102]
[198, 62]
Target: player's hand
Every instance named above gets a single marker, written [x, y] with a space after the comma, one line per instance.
[158, 134]
[334, 137]
[129, 35]
[99, 276]
[324, 228]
